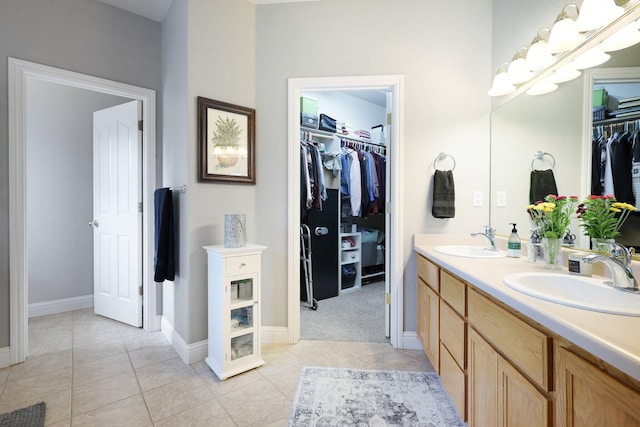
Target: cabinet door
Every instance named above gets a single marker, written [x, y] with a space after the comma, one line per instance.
[587, 396]
[423, 322]
[243, 316]
[428, 323]
[519, 402]
[482, 382]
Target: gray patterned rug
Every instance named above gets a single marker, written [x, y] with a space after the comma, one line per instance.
[350, 397]
[31, 416]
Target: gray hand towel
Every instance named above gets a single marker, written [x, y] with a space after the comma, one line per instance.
[542, 184]
[443, 195]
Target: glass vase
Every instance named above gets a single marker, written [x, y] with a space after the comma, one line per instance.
[601, 245]
[551, 252]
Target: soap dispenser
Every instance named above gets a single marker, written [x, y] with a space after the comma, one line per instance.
[514, 246]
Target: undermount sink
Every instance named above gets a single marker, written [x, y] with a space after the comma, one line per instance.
[575, 291]
[468, 251]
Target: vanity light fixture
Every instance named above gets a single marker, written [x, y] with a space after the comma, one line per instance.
[542, 87]
[564, 34]
[591, 58]
[626, 37]
[516, 73]
[538, 55]
[597, 13]
[543, 65]
[501, 84]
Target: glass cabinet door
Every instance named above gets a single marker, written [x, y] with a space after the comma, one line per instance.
[242, 317]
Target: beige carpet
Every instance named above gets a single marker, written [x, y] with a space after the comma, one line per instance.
[357, 316]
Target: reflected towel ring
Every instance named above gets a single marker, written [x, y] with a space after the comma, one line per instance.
[539, 155]
[441, 157]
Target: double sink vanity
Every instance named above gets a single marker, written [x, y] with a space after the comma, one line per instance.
[516, 344]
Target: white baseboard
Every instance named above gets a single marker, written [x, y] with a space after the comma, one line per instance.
[5, 357]
[189, 353]
[274, 335]
[60, 305]
[410, 341]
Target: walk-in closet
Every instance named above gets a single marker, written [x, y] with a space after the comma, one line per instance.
[344, 138]
[615, 151]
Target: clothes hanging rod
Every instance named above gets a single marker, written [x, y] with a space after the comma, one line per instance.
[360, 141]
[182, 189]
[614, 121]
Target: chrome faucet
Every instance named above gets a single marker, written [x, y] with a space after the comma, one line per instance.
[489, 233]
[619, 262]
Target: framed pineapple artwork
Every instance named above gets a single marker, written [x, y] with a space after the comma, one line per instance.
[226, 142]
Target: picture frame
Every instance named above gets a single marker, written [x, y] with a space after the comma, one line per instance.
[226, 142]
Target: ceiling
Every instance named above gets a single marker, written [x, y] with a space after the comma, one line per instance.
[152, 9]
[157, 9]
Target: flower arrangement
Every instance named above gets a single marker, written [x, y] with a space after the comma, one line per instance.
[602, 216]
[553, 215]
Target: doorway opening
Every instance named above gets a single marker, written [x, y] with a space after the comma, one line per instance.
[21, 74]
[392, 88]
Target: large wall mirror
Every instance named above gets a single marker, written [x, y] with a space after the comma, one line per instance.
[551, 131]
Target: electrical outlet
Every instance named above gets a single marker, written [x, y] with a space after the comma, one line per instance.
[477, 198]
[501, 198]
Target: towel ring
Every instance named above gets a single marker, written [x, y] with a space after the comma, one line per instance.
[539, 155]
[441, 157]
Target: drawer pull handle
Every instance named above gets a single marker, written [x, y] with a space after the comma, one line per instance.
[242, 265]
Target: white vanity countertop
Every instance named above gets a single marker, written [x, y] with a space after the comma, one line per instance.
[612, 338]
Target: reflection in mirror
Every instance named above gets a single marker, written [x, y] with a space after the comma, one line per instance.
[555, 123]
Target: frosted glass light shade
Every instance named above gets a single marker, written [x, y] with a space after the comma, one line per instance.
[590, 58]
[597, 13]
[501, 85]
[627, 36]
[564, 36]
[564, 74]
[542, 88]
[538, 56]
[516, 73]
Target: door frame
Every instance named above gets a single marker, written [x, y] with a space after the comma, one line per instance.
[395, 85]
[19, 73]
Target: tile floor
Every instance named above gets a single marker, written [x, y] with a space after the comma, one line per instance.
[93, 371]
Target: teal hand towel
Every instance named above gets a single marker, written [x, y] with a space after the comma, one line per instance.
[443, 195]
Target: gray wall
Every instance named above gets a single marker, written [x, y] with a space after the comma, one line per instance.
[79, 35]
[60, 197]
[447, 73]
[208, 50]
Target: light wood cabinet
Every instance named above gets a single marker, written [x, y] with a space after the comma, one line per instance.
[429, 323]
[498, 394]
[483, 382]
[587, 396]
[514, 374]
[429, 310]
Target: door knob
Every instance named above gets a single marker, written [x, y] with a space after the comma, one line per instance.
[93, 223]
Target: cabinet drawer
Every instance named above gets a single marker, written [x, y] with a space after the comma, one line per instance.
[350, 256]
[429, 272]
[454, 381]
[240, 265]
[452, 333]
[526, 347]
[452, 291]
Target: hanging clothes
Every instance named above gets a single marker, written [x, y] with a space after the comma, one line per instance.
[363, 188]
[622, 158]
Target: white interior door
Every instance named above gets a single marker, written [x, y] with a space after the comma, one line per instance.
[117, 221]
